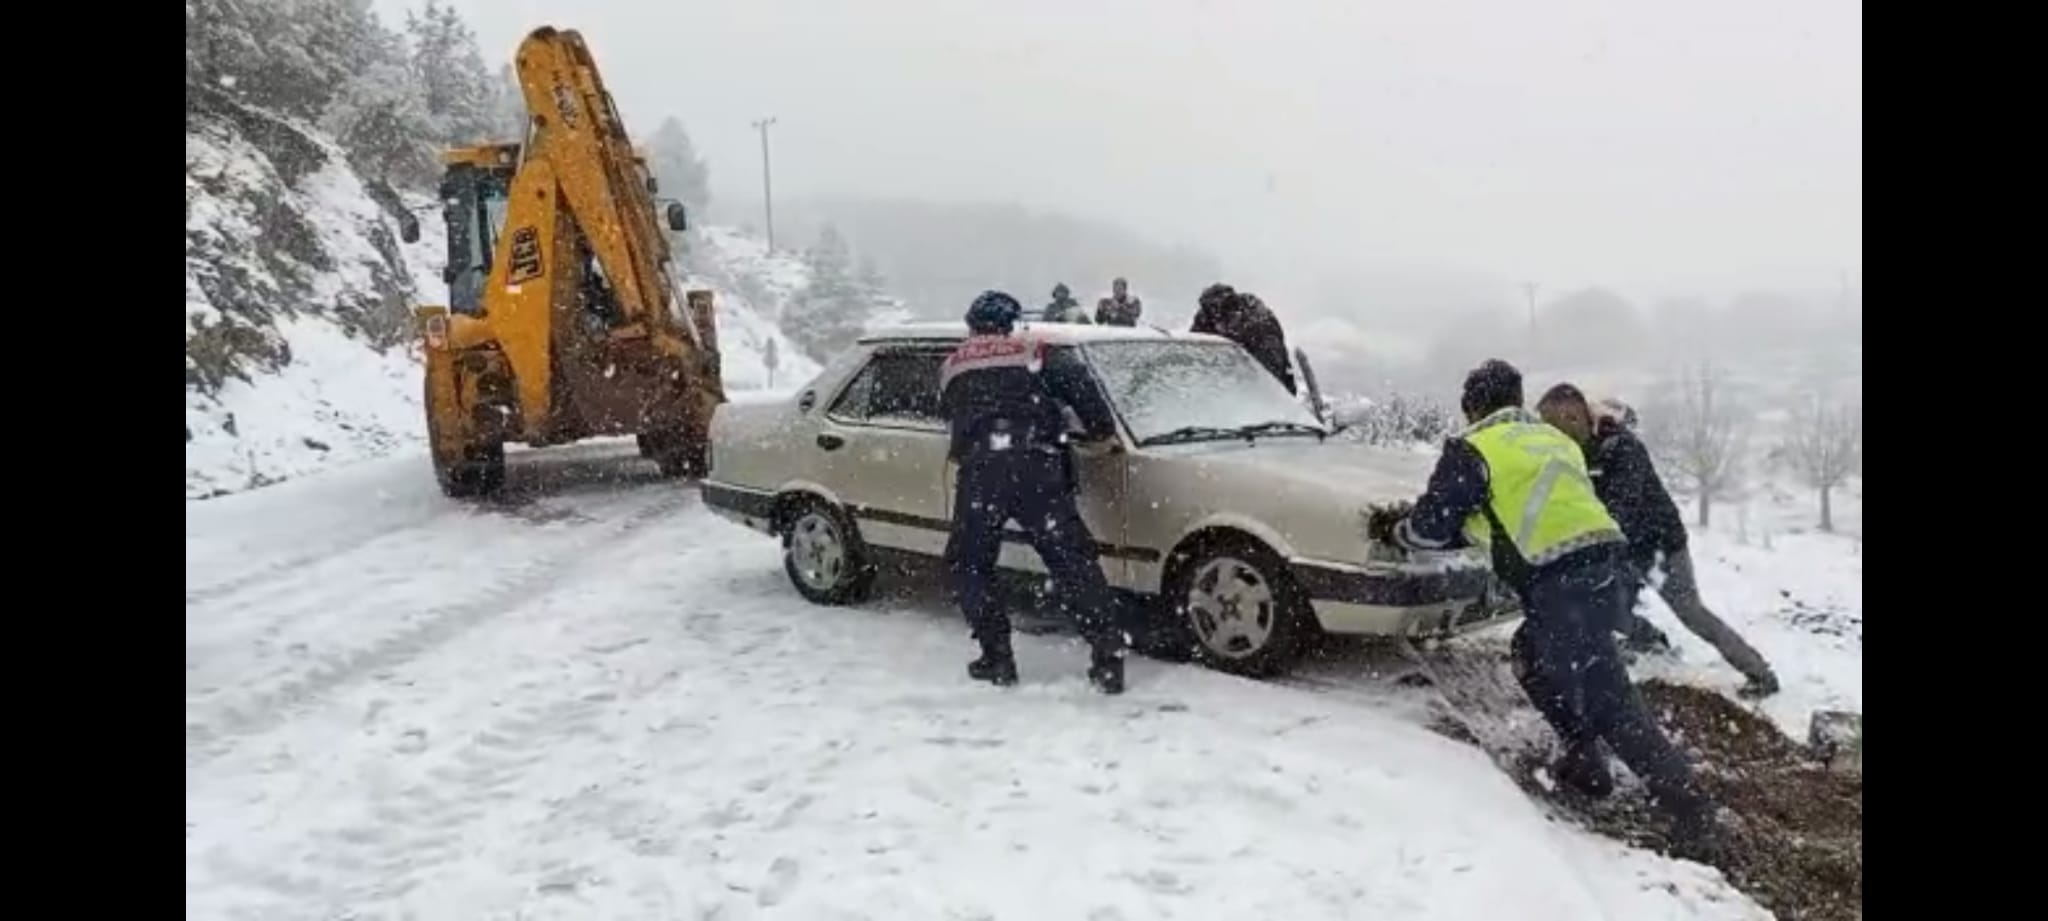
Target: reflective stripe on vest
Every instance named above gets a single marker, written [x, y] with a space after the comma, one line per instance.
[1537, 487]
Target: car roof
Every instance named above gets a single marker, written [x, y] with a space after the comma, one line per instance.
[1055, 333]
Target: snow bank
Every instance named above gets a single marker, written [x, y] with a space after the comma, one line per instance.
[338, 401]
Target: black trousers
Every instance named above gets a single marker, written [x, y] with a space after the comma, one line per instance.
[1565, 658]
[1035, 488]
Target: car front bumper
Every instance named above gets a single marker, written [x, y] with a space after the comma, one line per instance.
[1414, 602]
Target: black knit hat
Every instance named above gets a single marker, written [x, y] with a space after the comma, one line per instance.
[1493, 386]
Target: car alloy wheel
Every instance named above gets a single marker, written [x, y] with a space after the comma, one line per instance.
[817, 551]
[1231, 608]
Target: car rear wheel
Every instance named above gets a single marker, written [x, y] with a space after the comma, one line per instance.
[824, 555]
[1241, 610]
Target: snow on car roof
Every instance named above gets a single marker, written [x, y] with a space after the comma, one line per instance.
[1058, 333]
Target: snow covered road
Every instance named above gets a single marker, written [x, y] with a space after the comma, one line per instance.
[595, 700]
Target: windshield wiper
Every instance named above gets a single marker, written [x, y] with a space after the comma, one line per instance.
[1188, 433]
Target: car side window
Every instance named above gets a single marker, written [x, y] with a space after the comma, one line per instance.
[900, 386]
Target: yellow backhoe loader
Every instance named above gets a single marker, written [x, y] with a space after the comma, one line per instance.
[565, 318]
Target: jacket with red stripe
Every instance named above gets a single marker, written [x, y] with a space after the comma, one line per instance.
[1016, 385]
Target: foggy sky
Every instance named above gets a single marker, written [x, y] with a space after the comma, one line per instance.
[1649, 144]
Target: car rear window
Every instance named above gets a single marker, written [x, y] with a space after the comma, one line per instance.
[898, 385]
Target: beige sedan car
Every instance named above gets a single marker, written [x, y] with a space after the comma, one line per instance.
[1222, 502]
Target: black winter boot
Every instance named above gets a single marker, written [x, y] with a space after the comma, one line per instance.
[1696, 832]
[1583, 770]
[997, 665]
[1106, 667]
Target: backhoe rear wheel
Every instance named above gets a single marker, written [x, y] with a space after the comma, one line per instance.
[479, 472]
[676, 453]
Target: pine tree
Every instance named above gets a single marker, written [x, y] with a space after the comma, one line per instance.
[458, 88]
[682, 174]
[380, 117]
[291, 56]
[834, 309]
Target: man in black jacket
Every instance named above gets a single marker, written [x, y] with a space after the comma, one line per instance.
[1003, 394]
[1244, 319]
[1628, 485]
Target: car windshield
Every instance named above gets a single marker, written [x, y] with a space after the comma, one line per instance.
[1185, 390]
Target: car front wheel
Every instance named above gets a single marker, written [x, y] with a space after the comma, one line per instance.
[824, 555]
[1242, 611]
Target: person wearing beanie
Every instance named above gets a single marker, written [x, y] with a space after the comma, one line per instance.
[1518, 487]
[1627, 483]
[1002, 396]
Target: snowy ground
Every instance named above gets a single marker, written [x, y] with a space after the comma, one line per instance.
[594, 700]
[1796, 594]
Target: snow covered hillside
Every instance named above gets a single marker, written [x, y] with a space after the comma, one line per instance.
[772, 281]
[298, 296]
[617, 708]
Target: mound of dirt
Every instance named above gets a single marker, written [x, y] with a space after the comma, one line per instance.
[1797, 832]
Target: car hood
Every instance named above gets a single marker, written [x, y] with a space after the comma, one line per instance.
[1368, 474]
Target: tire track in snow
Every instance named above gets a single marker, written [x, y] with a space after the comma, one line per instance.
[455, 804]
[407, 837]
[213, 731]
[283, 570]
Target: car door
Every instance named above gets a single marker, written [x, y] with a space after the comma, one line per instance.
[884, 443]
[1100, 471]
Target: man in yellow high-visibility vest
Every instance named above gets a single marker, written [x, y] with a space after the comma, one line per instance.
[1513, 484]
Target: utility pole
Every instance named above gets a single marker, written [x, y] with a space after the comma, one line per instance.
[1529, 288]
[767, 187]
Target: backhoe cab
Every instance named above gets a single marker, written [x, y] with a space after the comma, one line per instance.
[564, 319]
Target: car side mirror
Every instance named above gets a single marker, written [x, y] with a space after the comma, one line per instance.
[1100, 447]
[408, 228]
[678, 220]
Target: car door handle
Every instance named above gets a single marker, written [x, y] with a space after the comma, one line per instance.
[831, 442]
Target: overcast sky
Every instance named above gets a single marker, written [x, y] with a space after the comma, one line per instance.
[1657, 145]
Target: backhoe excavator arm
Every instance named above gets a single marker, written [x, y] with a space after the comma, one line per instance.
[577, 129]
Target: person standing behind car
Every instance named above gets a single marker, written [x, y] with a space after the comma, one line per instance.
[1063, 308]
[1120, 308]
[1628, 485]
[1244, 319]
[1003, 402]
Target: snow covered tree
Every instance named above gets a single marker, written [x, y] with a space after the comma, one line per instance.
[1699, 433]
[1825, 446]
[380, 119]
[508, 107]
[290, 56]
[458, 88]
[674, 161]
[834, 309]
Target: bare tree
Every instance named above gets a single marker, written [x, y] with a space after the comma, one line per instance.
[1825, 446]
[1699, 434]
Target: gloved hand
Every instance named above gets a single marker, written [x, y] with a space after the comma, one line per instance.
[1380, 521]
